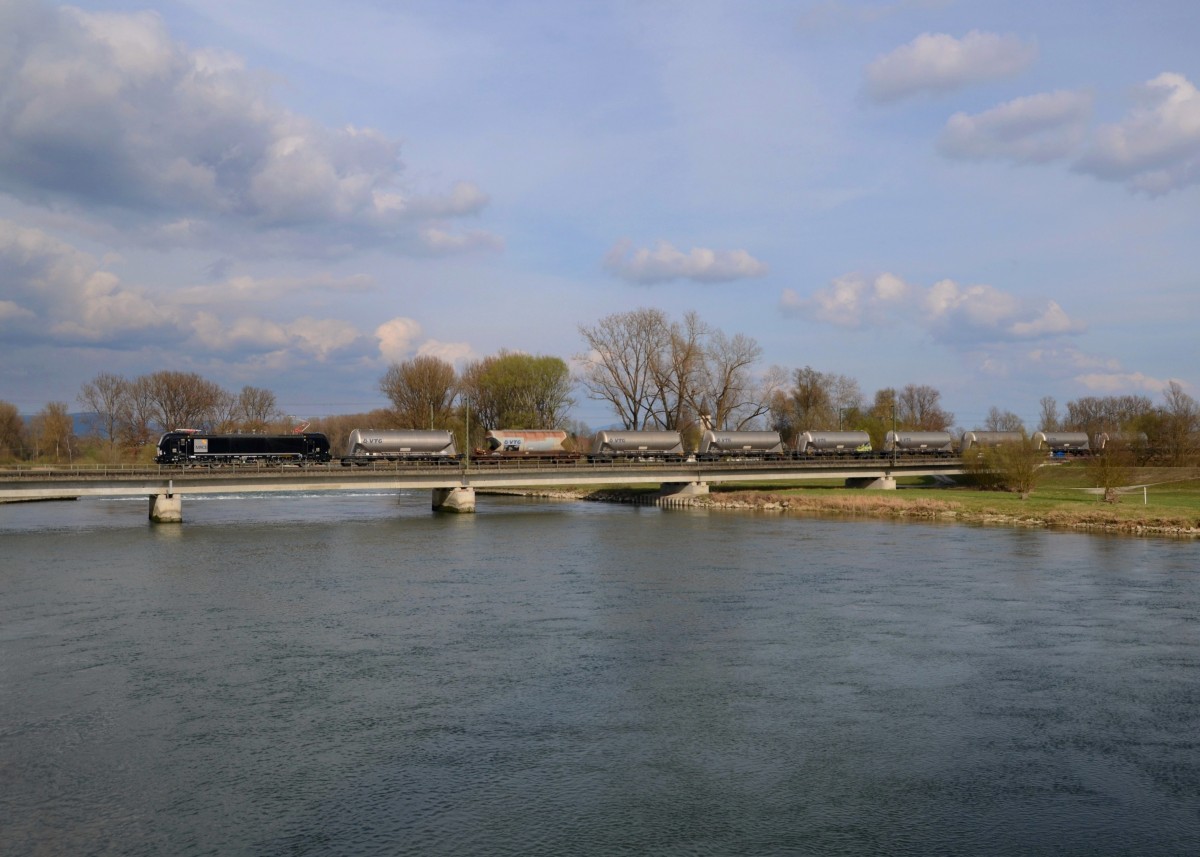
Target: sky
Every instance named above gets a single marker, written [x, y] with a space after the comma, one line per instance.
[998, 199]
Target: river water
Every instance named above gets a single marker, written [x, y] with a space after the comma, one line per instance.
[358, 675]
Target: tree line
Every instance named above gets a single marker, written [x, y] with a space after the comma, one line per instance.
[654, 372]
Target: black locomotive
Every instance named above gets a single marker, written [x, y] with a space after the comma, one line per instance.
[185, 447]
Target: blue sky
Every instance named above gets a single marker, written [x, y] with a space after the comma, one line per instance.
[1000, 199]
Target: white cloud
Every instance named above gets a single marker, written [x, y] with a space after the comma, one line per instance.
[937, 62]
[950, 312]
[62, 297]
[62, 293]
[106, 109]
[1035, 128]
[245, 289]
[396, 338]
[1118, 382]
[458, 353]
[665, 263]
[1156, 148]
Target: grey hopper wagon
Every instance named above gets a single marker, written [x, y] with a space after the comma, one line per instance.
[716, 445]
[1062, 442]
[369, 445]
[835, 443]
[938, 443]
[637, 445]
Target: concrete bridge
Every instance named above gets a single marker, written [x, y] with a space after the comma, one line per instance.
[453, 486]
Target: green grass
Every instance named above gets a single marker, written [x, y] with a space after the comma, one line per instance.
[1172, 500]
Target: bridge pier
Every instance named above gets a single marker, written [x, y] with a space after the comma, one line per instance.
[683, 489]
[166, 508]
[454, 499]
[881, 483]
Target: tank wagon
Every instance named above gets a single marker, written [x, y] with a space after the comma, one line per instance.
[637, 445]
[526, 443]
[715, 445]
[1060, 443]
[937, 443]
[1119, 440]
[369, 445]
[190, 447]
[836, 443]
[983, 439]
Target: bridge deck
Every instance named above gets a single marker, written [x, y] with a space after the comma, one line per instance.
[32, 483]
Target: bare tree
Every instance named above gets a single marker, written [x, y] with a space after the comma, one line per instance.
[12, 431]
[54, 429]
[421, 391]
[731, 389]
[677, 374]
[141, 411]
[1180, 422]
[1016, 466]
[917, 407]
[619, 366]
[998, 420]
[182, 399]
[1095, 414]
[256, 409]
[107, 397]
[1110, 468]
[1049, 420]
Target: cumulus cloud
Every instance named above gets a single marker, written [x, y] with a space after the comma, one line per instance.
[457, 353]
[1156, 148]
[245, 289]
[56, 291]
[937, 62]
[1036, 128]
[1119, 382]
[60, 296]
[665, 263]
[397, 337]
[950, 312]
[105, 109]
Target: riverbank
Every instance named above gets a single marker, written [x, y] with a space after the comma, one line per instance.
[1159, 504]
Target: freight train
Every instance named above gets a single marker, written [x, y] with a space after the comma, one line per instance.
[368, 446]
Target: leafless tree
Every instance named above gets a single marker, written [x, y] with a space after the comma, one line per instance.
[917, 407]
[421, 391]
[54, 429]
[998, 420]
[141, 411]
[1180, 423]
[107, 397]
[12, 431]
[182, 399]
[256, 409]
[677, 374]
[728, 384]
[1049, 420]
[1094, 414]
[618, 368]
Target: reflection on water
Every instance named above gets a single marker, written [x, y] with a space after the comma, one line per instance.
[349, 675]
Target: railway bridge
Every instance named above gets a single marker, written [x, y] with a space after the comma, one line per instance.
[453, 486]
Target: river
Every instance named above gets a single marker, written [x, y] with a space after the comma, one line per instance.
[354, 674]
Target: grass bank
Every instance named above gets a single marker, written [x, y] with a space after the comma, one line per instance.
[1157, 501]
